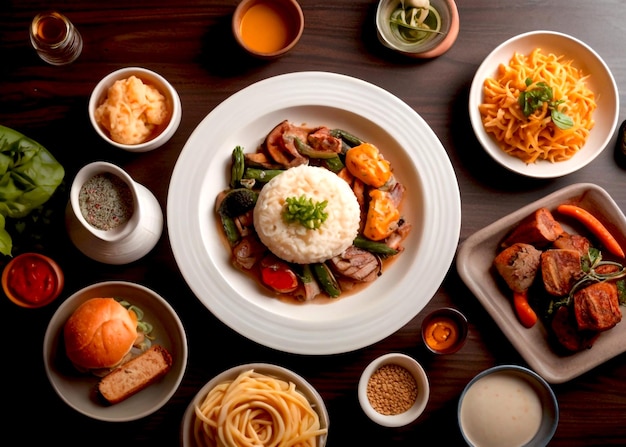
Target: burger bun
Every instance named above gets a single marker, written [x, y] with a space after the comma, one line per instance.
[99, 334]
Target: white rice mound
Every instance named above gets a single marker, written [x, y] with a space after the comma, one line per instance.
[293, 242]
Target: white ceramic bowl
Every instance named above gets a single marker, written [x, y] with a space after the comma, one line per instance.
[129, 241]
[279, 372]
[478, 425]
[423, 390]
[432, 47]
[78, 390]
[173, 103]
[600, 81]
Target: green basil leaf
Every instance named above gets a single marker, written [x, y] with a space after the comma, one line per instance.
[29, 174]
[561, 120]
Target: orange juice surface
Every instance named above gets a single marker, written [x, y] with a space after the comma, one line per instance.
[264, 28]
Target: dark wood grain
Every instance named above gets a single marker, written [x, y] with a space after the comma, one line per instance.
[189, 42]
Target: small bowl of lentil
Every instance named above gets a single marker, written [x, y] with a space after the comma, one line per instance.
[393, 390]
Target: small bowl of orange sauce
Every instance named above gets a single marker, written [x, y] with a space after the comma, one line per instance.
[32, 280]
[268, 28]
[444, 330]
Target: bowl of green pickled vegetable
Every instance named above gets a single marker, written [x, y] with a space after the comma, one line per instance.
[417, 28]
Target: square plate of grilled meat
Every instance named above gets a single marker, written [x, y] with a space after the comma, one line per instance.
[578, 300]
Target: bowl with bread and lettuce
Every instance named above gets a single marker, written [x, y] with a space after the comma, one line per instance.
[115, 351]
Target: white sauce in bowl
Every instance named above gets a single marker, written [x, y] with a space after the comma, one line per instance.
[500, 409]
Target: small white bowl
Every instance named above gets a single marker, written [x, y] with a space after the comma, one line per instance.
[172, 99]
[78, 390]
[423, 390]
[492, 424]
[600, 81]
[278, 372]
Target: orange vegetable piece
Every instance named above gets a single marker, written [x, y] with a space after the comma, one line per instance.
[524, 312]
[367, 164]
[595, 226]
[382, 216]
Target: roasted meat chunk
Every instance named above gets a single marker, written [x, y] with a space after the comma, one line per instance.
[539, 229]
[573, 242]
[596, 307]
[560, 269]
[567, 334]
[357, 264]
[518, 265]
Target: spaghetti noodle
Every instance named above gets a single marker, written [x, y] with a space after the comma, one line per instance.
[256, 410]
[536, 137]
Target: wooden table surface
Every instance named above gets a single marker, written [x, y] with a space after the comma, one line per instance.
[189, 42]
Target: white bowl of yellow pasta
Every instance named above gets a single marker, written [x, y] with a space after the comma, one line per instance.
[135, 109]
[569, 107]
[264, 400]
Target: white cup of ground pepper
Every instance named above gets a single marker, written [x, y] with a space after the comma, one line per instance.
[393, 390]
[110, 217]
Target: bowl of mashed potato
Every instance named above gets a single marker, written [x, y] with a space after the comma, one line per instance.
[135, 109]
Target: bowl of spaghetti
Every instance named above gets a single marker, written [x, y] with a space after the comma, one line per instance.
[256, 404]
[543, 104]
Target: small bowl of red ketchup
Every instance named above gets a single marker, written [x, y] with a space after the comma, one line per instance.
[32, 280]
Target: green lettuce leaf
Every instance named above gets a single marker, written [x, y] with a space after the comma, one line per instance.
[29, 175]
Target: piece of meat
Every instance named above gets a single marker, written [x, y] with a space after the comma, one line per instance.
[566, 333]
[321, 140]
[538, 229]
[518, 265]
[247, 252]
[395, 239]
[596, 307]
[396, 193]
[260, 159]
[573, 242]
[560, 269]
[357, 264]
[280, 147]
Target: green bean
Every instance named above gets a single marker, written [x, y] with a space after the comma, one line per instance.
[334, 164]
[306, 274]
[230, 229]
[379, 248]
[350, 139]
[261, 175]
[237, 167]
[311, 152]
[326, 279]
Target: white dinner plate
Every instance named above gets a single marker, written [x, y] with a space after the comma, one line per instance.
[315, 98]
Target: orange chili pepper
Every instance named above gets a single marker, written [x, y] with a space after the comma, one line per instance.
[594, 225]
[367, 164]
[524, 312]
[382, 216]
